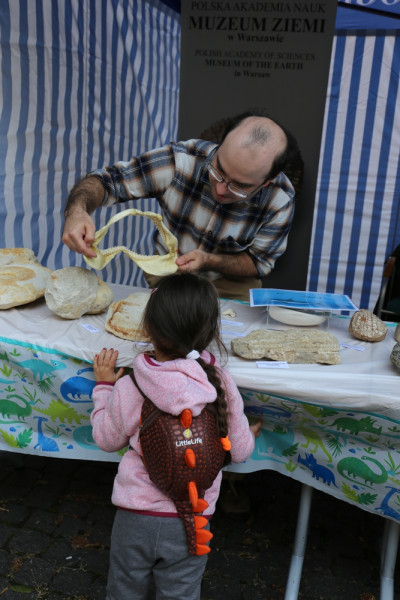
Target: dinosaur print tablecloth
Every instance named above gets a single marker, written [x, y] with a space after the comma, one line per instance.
[352, 455]
[334, 427]
[45, 403]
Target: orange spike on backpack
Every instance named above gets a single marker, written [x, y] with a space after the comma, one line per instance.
[198, 504]
[201, 549]
[200, 522]
[203, 536]
[186, 418]
[193, 494]
[226, 443]
[201, 506]
[190, 458]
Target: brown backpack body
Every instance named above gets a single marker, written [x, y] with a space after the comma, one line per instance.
[183, 455]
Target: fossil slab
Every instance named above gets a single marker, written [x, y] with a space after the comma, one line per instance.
[293, 346]
[23, 279]
[124, 318]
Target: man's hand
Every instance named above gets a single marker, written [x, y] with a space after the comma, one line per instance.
[104, 366]
[195, 260]
[79, 229]
[78, 233]
[236, 265]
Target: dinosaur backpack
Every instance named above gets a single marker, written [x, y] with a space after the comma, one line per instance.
[183, 455]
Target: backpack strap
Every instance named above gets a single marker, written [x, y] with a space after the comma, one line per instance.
[155, 411]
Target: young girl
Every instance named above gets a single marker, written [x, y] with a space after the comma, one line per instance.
[148, 539]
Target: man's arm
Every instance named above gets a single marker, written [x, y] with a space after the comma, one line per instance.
[236, 265]
[79, 228]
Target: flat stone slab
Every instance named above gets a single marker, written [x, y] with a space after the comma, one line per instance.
[293, 346]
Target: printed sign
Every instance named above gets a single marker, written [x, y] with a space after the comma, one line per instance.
[274, 55]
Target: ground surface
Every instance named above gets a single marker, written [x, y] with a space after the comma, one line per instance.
[56, 518]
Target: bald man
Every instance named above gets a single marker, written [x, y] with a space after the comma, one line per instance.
[229, 204]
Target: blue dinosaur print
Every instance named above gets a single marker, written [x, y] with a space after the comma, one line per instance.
[40, 369]
[318, 471]
[44, 443]
[272, 411]
[384, 508]
[83, 437]
[274, 442]
[75, 387]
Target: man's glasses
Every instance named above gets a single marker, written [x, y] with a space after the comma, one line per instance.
[234, 189]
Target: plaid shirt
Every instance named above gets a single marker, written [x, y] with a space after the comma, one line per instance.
[177, 176]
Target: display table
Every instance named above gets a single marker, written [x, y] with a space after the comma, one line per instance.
[331, 427]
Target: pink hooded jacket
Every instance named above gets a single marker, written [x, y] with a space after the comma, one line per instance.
[172, 386]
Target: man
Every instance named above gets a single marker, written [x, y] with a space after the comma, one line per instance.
[229, 205]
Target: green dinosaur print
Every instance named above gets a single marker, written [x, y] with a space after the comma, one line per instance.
[354, 467]
[354, 426]
[313, 438]
[63, 412]
[319, 411]
[9, 408]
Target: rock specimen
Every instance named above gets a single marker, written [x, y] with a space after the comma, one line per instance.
[298, 318]
[73, 291]
[125, 316]
[293, 346]
[22, 278]
[366, 326]
[397, 333]
[395, 355]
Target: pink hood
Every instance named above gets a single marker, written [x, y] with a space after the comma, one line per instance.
[176, 384]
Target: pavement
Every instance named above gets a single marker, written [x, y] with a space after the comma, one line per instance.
[56, 519]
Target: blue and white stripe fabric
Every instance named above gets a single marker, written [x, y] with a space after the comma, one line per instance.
[82, 84]
[87, 83]
[357, 210]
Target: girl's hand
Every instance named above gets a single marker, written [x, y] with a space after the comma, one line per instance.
[104, 366]
[256, 428]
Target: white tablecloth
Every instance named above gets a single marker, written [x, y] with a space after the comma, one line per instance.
[335, 427]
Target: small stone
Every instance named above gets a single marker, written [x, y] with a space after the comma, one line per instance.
[366, 326]
[395, 355]
[397, 333]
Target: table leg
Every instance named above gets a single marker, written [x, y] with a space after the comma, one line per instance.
[390, 544]
[300, 541]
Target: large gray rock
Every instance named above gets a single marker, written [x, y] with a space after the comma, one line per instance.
[293, 346]
[73, 291]
[395, 355]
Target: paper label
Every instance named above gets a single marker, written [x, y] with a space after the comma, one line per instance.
[90, 328]
[273, 364]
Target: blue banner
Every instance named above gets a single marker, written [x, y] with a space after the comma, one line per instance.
[368, 14]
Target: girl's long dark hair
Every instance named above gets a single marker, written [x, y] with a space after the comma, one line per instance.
[182, 314]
